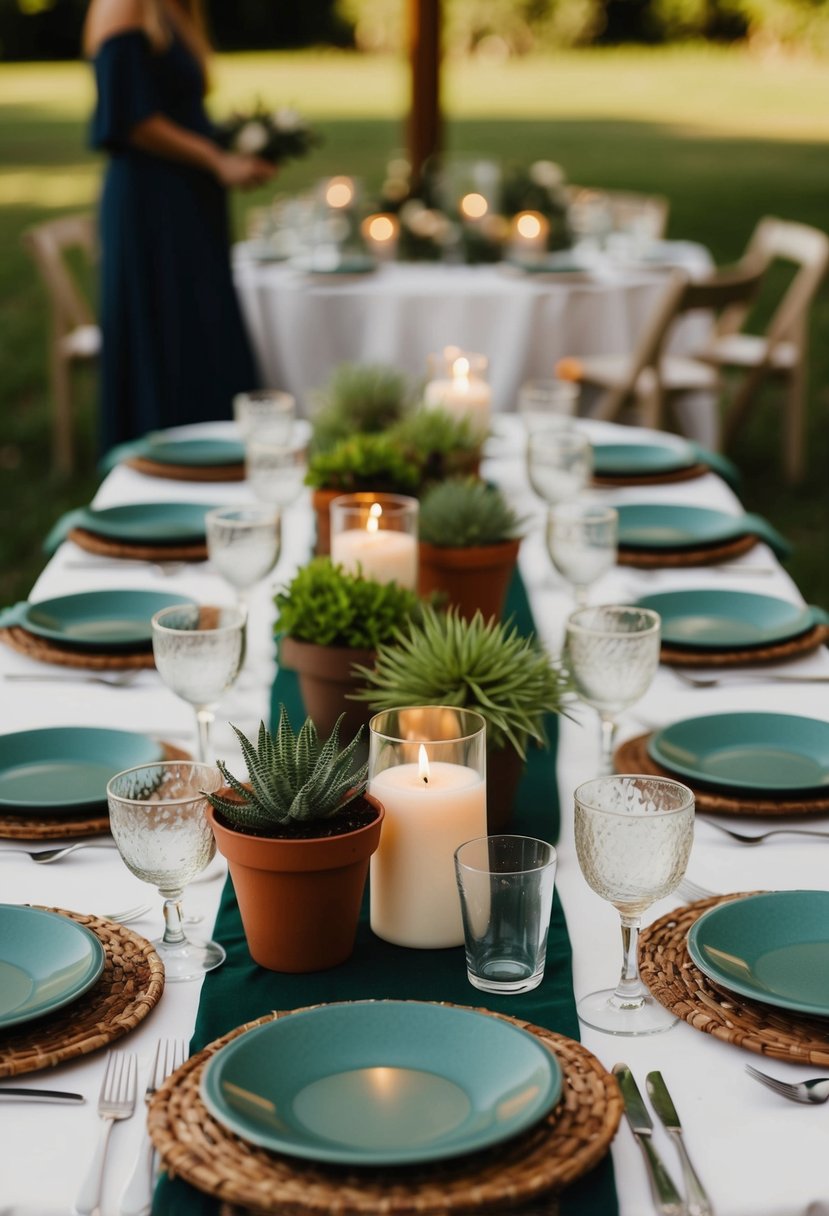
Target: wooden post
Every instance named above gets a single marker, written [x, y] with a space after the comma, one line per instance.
[424, 126]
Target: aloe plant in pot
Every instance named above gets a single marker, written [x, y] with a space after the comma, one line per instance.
[469, 540]
[475, 664]
[330, 620]
[298, 836]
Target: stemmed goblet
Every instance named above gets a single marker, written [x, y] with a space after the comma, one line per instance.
[266, 412]
[582, 540]
[612, 653]
[243, 543]
[633, 840]
[559, 463]
[199, 651]
[158, 821]
[276, 470]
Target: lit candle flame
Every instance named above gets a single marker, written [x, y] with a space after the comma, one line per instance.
[374, 513]
[423, 765]
[381, 228]
[529, 225]
[339, 192]
[474, 206]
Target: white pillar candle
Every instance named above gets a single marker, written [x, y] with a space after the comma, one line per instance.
[431, 809]
[385, 555]
[463, 394]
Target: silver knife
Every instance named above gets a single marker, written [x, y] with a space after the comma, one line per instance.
[665, 1195]
[23, 1094]
[698, 1202]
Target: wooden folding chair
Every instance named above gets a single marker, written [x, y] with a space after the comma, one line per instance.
[75, 338]
[781, 352]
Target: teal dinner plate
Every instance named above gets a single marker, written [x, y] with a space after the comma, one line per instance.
[640, 459]
[747, 751]
[716, 619]
[67, 767]
[98, 620]
[381, 1083]
[195, 453]
[674, 526]
[772, 948]
[162, 523]
[46, 961]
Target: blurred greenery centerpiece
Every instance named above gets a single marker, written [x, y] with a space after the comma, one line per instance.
[359, 398]
[475, 664]
[298, 836]
[443, 444]
[330, 620]
[469, 541]
[274, 135]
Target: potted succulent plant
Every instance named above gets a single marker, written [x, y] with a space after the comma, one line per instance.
[444, 444]
[298, 837]
[469, 540]
[329, 620]
[359, 399]
[483, 665]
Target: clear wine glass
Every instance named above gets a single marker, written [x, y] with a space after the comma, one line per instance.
[633, 840]
[243, 543]
[612, 653]
[547, 404]
[582, 540]
[559, 463]
[276, 471]
[199, 651]
[158, 821]
[266, 413]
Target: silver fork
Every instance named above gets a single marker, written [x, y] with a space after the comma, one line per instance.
[137, 1196]
[116, 1101]
[45, 857]
[121, 679]
[757, 838]
[808, 1092]
[739, 677]
[691, 891]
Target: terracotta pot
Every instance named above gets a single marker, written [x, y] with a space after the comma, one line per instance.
[324, 680]
[504, 770]
[299, 899]
[321, 501]
[473, 578]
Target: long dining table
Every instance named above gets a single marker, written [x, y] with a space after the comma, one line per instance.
[757, 1154]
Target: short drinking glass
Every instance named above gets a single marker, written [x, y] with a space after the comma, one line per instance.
[582, 541]
[633, 840]
[506, 890]
[559, 464]
[158, 821]
[199, 651]
[243, 543]
[612, 653]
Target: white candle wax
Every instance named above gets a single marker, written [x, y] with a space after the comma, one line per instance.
[385, 555]
[464, 395]
[414, 894]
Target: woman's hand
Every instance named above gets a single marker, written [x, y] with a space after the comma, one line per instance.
[234, 169]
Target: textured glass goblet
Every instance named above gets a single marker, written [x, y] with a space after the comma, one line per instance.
[633, 840]
[612, 653]
[582, 541]
[265, 413]
[276, 471]
[243, 543]
[158, 821]
[199, 651]
[559, 463]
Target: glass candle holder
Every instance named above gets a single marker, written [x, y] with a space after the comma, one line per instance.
[427, 765]
[376, 535]
[458, 384]
[380, 235]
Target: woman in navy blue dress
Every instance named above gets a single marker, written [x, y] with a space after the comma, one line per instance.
[174, 345]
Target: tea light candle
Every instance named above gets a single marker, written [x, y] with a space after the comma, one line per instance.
[463, 394]
[530, 230]
[380, 233]
[431, 809]
[339, 192]
[383, 554]
[473, 207]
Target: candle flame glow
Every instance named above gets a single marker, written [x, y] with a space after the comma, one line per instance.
[474, 206]
[374, 513]
[423, 765]
[460, 369]
[528, 225]
[381, 228]
[339, 192]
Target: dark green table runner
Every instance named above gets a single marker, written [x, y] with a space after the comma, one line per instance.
[240, 991]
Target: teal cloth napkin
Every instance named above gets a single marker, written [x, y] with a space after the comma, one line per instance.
[240, 991]
[80, 517]
[718, 463]
[757, 526]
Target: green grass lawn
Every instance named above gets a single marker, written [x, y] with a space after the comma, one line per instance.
[728, 138]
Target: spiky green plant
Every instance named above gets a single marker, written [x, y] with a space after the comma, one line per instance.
[361, 398]
[463, 511]
[295, 779]
[483, 665]
[329, 606]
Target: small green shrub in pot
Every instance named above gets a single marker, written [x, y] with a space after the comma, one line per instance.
[442, 443]
[365, 462]
[359, 398]
[464, 511]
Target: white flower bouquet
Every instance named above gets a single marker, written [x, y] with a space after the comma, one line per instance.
[275, 135]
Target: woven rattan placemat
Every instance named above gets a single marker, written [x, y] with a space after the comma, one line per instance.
[44, 651]
[130, 985]
[185, 472]
[563, 1146]
[632, 756]
[776, 652]
[705, 555]
[143, 553]
[667, 969]
[31, 826]
[650, 479]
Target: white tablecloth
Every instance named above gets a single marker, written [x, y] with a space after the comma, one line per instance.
[757, 1154]
[303, 326]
